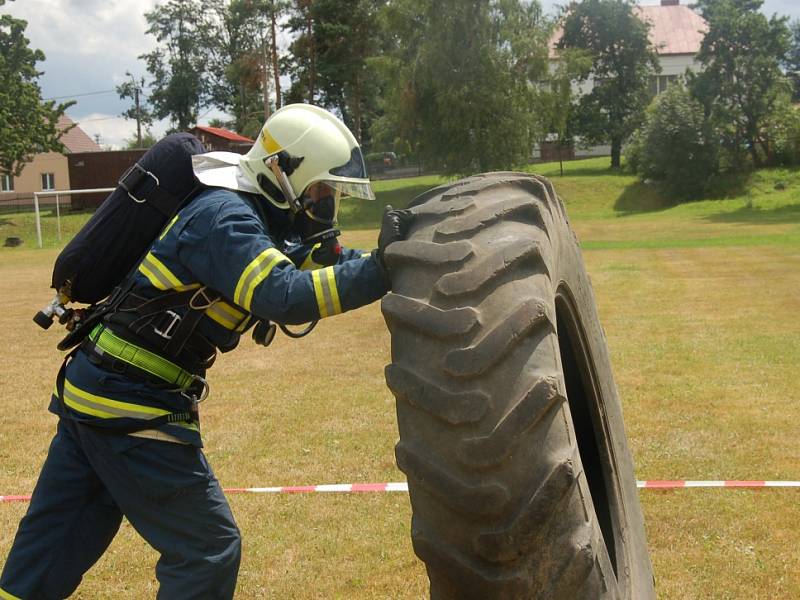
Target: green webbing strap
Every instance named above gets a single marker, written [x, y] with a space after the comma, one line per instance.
[147, 361]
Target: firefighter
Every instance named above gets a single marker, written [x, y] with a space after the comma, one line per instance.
[257, 246]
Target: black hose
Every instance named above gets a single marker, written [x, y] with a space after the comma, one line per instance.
[299, 334]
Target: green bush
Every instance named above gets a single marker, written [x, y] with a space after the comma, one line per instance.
[675, 146]
[783, 133]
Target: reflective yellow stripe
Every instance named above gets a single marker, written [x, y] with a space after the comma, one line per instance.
[337, 306]
[326, 292]
[168, 227]
[323, 311]
[255, 273]
[226, 315]
[308, 263]
[106, 408]
[243, 325]
[366, 254]
[6, 596]
[161, 277]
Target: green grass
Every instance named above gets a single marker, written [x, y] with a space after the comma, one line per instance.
[699, 305]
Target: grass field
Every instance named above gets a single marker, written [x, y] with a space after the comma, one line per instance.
[700, 306]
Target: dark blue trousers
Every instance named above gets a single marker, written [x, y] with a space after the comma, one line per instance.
[89, 480]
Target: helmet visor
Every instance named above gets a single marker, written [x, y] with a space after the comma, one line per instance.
[321, 202]
[355, 168]
[355, 189]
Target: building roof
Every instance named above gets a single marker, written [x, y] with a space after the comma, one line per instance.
[674, 29]
[224, 133]
[75, 140]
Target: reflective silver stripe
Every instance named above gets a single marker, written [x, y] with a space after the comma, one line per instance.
[105, 408]
[326, 292]
[161, 277]
[258, 269]
[78, 402]
[226, 315]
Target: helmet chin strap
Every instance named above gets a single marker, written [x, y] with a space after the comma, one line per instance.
[273, 162]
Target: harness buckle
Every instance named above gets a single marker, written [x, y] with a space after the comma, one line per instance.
[131, 178]
[205, 389]
[169, 330]
[201, 296]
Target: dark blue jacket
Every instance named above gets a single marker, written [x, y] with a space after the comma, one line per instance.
[243, 248]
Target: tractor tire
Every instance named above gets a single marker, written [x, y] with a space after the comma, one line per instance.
[511, 435]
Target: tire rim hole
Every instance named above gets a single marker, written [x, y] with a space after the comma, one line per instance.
[579, 380]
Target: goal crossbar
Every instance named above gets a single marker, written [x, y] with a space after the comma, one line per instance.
[57, 194]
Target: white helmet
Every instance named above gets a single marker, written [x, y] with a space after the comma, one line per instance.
[299, 145]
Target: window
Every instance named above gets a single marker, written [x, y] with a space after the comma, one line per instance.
[6, 183]
[659, 85]
[48, 181]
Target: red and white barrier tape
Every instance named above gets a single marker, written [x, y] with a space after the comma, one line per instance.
[349, 488]
[671, 485]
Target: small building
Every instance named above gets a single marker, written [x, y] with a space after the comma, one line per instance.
[218, 139]
[97, 170]
[47, 170]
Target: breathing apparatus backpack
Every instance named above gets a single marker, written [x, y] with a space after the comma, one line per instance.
[118, 235]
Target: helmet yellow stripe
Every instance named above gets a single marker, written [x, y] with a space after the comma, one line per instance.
[270, 144]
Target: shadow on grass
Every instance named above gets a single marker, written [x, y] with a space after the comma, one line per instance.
[640, 198]
[554, 173]
[362, 214]
[780, 215]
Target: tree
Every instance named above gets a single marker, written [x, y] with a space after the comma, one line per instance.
[148, 140]
[302, 63]
[741, 79]
[558, 98]
[623, 62]
[27, 124]
[346, 38]
[463, 94]
[179, 65]
[331, 62]
[243, 68]
[792, 63]
[133, 89]
[676, 145]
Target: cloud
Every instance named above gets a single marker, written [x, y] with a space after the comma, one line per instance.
[88, 44]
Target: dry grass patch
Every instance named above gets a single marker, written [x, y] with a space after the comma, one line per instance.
[705, 343]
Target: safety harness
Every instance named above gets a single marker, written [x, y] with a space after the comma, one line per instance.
[154, 340]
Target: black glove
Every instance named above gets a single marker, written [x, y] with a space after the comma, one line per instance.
[394, 228]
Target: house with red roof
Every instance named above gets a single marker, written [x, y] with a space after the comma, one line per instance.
[676, 32]
[47, 170]
[218, 139]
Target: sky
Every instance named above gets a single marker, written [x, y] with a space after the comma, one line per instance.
[90, 44]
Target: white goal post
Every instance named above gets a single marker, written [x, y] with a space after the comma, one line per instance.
[57, 194]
